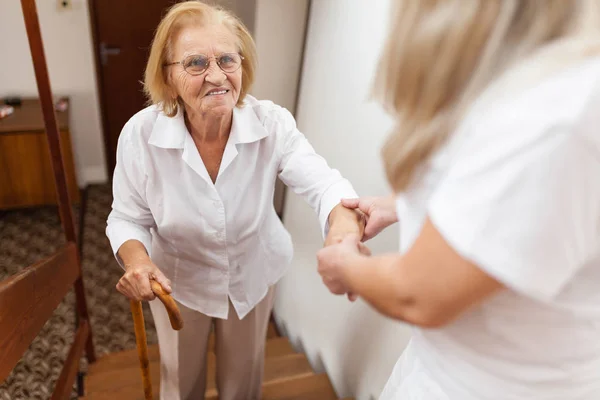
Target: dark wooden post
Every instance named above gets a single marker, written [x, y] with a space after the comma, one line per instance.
[52, 133]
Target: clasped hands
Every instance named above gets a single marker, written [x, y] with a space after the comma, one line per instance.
[344, 243]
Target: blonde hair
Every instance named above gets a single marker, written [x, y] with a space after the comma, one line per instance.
[441, 54]
[179, 16]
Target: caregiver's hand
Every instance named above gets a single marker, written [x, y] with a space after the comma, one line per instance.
[380, 213]
[334, 259]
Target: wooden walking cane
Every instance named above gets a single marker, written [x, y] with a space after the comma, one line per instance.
[140, 331]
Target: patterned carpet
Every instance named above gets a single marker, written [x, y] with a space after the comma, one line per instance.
[28, 235]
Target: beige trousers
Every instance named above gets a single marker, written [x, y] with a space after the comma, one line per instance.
[239, 348]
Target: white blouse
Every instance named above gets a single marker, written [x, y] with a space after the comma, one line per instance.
[217, 241]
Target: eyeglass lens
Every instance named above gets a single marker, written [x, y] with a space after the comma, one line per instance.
[197, 64]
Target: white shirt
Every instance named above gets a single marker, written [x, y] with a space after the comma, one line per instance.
[223, 240]
[517, 192]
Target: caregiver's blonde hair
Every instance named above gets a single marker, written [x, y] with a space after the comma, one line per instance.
[182, 15]
[441, 54]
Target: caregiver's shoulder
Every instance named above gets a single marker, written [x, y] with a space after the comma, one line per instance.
[526, 107]
[571, 101]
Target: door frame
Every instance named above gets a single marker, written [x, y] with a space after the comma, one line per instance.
[100, 88]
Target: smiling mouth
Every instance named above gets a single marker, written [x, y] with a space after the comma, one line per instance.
[217, 92]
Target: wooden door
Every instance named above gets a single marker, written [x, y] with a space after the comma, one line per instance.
[122, 32]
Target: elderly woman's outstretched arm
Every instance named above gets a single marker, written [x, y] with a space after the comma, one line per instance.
[309, 175]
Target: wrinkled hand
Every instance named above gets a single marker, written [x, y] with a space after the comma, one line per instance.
[380, 213]
[135, 283]
[333, 259]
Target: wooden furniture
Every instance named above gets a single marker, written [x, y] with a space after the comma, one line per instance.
[28, 299]
[26, 177]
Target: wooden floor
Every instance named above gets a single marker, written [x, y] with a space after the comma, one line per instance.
[288, 375]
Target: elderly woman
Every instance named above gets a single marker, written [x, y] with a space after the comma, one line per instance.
[193, 200]
[496, 166]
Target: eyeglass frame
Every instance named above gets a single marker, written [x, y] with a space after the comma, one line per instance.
[210, 59]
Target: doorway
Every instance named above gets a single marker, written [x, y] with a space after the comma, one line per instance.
[122, 33]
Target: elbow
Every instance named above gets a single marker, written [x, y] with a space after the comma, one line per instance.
[112, 224]
[431, 320]
[418, 306]
[421, 314]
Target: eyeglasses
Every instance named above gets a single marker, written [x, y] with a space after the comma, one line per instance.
[196, 64]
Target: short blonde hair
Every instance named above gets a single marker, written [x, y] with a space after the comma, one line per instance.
[179, 16]
[441, 54]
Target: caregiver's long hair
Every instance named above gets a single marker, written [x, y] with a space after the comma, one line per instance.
[442, 54]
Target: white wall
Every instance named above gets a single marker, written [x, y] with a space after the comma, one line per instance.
[68, 46]
[356, 346]
[279, 30]
[279, 35]
[244, 9]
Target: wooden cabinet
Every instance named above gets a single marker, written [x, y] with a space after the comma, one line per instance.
[26, 176]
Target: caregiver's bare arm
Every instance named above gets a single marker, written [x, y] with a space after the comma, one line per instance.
[429, 286]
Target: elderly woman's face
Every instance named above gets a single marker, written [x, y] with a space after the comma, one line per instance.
[213, 92]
